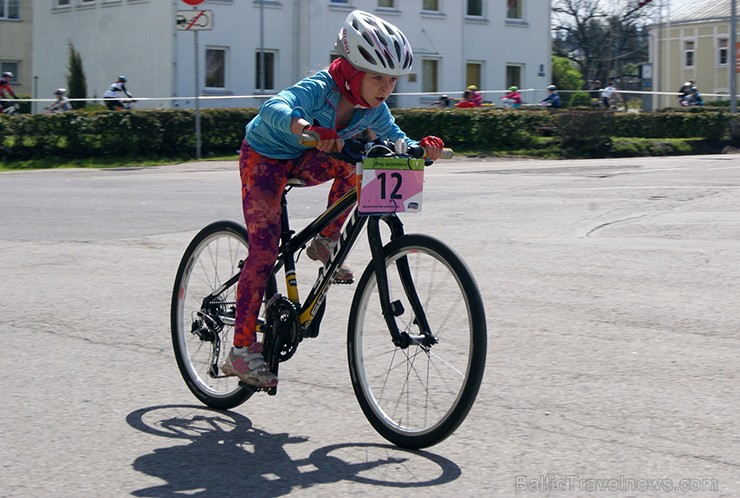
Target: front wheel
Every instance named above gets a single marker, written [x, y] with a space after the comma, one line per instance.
[416, 396]
[202, 328]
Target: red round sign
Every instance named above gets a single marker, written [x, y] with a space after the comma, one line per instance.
[193, 2]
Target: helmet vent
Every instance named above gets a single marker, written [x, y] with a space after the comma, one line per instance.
[367, 55]
[380, 58]
[390, 60]
[368, 38]
[381, 37]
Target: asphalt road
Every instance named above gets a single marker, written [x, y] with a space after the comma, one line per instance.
[611, 289]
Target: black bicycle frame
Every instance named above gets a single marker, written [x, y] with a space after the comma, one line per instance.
[291, 243]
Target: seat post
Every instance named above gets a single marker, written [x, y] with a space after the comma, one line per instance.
[288, 262]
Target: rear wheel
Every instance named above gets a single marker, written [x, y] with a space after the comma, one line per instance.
[416, 395]
[202, 330]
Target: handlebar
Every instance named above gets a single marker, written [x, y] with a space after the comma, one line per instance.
[355, 150]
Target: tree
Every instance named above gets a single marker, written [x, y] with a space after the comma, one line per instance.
[76, 84]
[565, 74]
[605, 38]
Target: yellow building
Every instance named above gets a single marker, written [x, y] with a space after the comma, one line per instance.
[692, 43]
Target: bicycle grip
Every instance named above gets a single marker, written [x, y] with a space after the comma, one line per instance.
[309, 139]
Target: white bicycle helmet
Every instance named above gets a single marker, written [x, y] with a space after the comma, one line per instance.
[372, 44]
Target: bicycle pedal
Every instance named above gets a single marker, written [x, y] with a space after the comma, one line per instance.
[342, 282]
[272, 391]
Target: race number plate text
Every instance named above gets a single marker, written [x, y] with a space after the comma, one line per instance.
[390, 185]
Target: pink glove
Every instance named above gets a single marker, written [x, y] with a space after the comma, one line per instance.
[323, 133]
[431, 141]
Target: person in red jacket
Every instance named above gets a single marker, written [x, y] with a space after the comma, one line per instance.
[6, 90]
[513, 98]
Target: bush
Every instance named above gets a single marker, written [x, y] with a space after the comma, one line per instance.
[145, 133]
[585, 133]
[169, 133]
[580, 99]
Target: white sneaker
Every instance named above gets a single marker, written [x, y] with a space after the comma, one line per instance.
[249, 365]
[320, 249]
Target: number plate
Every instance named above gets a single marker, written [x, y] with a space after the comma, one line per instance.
[390, 185]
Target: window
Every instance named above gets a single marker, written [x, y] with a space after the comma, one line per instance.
[475, 8]
[11, 67]
[688, 49]
[269, 71]
[723, 52]
[473, 74]
[513, 75]
[215, 67]
[514, 9]
[9, 9]
[432, 5]
[429, 74]
[338, 1]
[62, 3]
[388, 4]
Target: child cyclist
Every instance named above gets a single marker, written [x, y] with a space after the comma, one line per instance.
[347, 99]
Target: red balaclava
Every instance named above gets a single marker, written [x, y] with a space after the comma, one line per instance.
[348, 79]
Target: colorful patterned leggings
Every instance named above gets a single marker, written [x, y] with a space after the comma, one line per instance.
[263, 181]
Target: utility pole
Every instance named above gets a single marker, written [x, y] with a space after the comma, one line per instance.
[733, 73]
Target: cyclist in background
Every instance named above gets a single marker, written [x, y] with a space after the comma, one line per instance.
[62, 103]
[512, 99]
[114, 94]
[6, 91]
[553, 98]
[609, 96]
[335, 104]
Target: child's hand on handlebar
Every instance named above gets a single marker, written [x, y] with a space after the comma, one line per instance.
[328, 139]
[433, 147]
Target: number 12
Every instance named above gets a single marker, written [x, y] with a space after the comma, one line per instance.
[384, 192]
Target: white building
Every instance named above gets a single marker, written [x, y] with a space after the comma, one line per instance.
[490, 43]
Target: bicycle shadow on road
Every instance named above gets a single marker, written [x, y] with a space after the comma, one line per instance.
[227, 455]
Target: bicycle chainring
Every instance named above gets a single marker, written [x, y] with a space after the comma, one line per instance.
[281, 325]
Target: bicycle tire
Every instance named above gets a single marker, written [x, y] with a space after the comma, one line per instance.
[211, 258]
[416, 397]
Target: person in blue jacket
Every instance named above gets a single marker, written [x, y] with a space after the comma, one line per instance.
[553, 98]
[339, 103]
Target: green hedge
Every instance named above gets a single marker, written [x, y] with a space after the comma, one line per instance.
[494, 129]
[153, 133]
[170, 133]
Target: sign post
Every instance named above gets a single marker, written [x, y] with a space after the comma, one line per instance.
[195, 20]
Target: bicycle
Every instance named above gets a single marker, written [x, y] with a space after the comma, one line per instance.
[416, 336]
[10, 109]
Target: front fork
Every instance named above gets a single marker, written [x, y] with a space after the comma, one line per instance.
[392, 309]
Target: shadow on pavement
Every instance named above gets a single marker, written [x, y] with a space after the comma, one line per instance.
[225, 455]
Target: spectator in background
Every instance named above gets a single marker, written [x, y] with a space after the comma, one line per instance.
[595, 93]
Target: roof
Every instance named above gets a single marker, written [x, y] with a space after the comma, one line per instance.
[702, 10]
